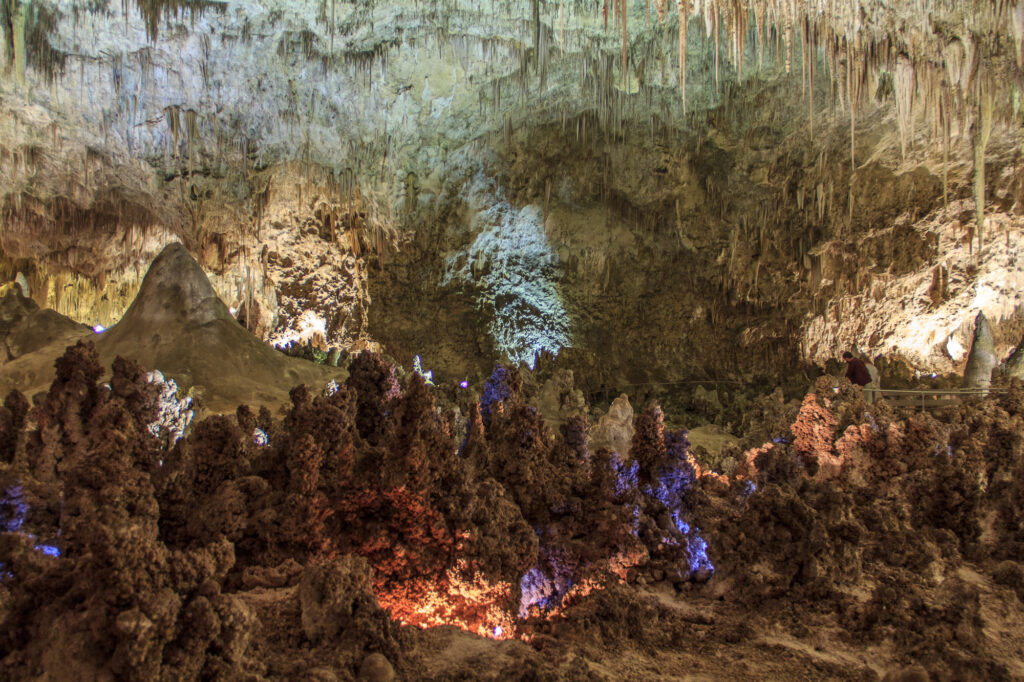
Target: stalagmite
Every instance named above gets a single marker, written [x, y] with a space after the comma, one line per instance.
[982, 358]
[1014, 365]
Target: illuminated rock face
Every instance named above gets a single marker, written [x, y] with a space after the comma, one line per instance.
[230, 126]
[925, 315]
[1015, 363]
[512, 266]
[982, 359]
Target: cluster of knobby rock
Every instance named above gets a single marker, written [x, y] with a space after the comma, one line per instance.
[359, 498]
[860, 497]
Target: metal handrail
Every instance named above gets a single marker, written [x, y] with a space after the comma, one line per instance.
[943, 391]
[929, 396]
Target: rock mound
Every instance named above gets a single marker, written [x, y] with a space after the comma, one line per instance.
[175, 292]
[178, 325]
[1014, 366]
[25, 328]
[982, 358]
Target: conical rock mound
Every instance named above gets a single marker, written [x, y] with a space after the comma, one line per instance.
[982, 358]
[175, 291]
[25, 327]
[176, 324]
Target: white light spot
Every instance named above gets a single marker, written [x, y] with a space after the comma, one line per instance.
[307, 327]
[498, 631]
[954, 348]
[99, 329]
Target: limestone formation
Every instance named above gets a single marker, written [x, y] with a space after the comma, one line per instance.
[376, 668]
[175, 412]
[1014, 365]
[614, 431]
[178, 325]
[693, 204]
[982, 358]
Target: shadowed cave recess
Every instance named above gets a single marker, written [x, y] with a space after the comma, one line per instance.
[501, 340]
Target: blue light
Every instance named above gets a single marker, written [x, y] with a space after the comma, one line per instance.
[498, 631]
[496, 390]
[672, 486]
[625, 474]
[464, 384]
[698, 548]
[536, 589]
[48, 550]
[99, 329]
[13, 509]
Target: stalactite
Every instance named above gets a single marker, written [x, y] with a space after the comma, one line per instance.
[903, 87]
[810, 77]
[625, 44]
[760, 12]
[982, 131]
[853, 110]
[684, 22]
[803, 59]
[536, 31]
[561, 23]
[945, 148]
[789, 38]
[739, 38]
[1017, 28]
[716, 27]
[934, 72]
[18, 30]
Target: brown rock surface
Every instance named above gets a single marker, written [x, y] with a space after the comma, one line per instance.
[296, 557]
[176, 324]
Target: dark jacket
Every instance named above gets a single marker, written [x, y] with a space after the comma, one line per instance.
[857, 372]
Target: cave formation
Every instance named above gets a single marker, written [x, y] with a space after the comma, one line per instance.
[455, 340]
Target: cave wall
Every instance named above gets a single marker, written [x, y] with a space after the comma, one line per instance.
[740, 250]
[710, 193]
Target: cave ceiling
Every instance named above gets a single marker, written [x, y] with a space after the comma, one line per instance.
[167, 115]
[375, 89]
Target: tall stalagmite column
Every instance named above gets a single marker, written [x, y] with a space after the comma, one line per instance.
[982, 358]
